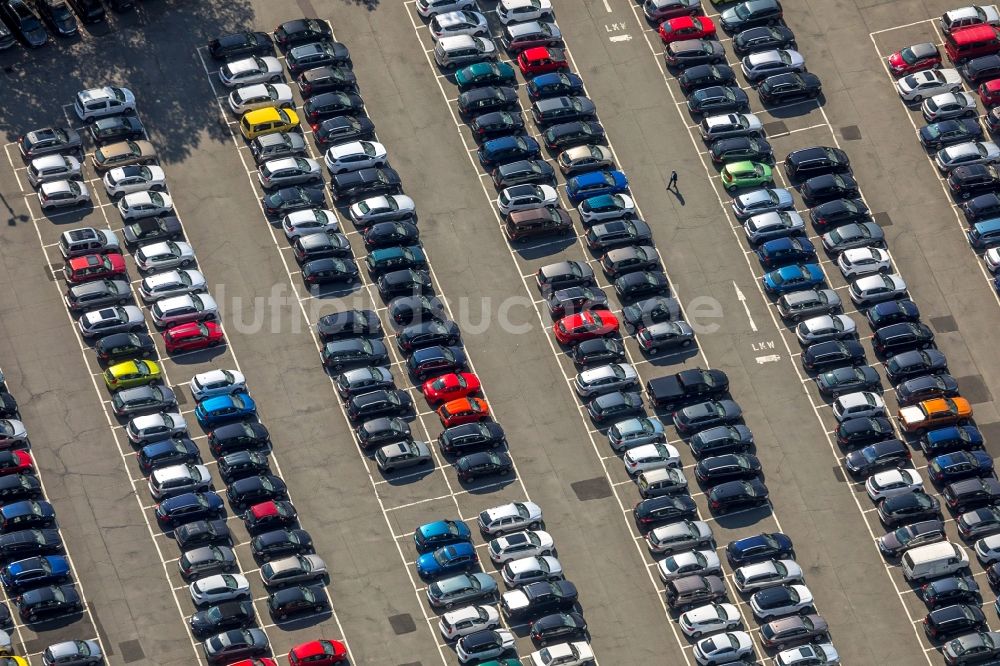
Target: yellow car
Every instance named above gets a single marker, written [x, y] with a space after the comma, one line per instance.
[268, 121]
[131, 373]
[14, 661]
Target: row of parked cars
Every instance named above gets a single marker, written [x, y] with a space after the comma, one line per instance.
[26, 20]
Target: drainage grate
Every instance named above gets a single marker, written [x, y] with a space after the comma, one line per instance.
[775, 127]
[839, 474]
[850, 133]
[592, 489]
[974, 389]
[131, 651]
[883, 219]
[402, 624]
[944, 324]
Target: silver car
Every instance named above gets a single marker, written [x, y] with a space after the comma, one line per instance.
[776, 224]
[920, 85]
[689, 563]
[354, 156]
[139, 205]
[259, 96]
[825, 327]
[729, 125]
[172, 283]
[13, 433]
[580, 159]
[463, 22]
[949, 105]
[310, 221]
[963, 154]
[531, 570]
[256, 69]
[403, 454]
[758, 66]
[62, 193]
[295, 569]
[117, 319]
[679, 537]
[135, 178]
[766, 574]
[53, 167]
[605, 379]
[219, 588]
[184, 308]
[873, 289]
[154, 427]
[631, 433]
[521, 36]
[163, 256]
[73, 653]
[289, 171]
[389, 208]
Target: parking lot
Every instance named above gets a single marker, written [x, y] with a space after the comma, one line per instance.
[361, 520]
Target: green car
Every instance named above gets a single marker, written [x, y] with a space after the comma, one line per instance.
[745, 174]
[484, 74]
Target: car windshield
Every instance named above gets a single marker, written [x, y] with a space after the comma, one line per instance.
[908, 56]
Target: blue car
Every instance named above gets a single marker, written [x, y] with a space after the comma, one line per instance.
[223, 408]
[35, 572]
[174, 451]
[554, 84]
[595, 183]
[952, 438]
[451, 559]
[950, 467]
[784, 251]
[26, 514]
[764, 546]
[506, 149]
[793, 278]
[440, 533]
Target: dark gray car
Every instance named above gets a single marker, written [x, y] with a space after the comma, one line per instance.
[73, 653]
[97, 294]
[865, 234]
[206, 561]
[149, 398]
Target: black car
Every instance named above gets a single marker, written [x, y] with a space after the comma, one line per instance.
[981, 69]
[339, 354]
[575, 133]
[641, 284]
[151, 229]
[952, 590]
[17, 487]
[202, 533]
[521, 172]
[651, 311]
[750, 15]
[324, 245]
[969, 494]
[904, 336]
[8, 405]
[173, 451]
[597, 351]
[89, 11]
[892, 312]
[496, 123]
[414, 309]
[740, 148]
[877, 457]
[721, 440]
[849, 379]
[863, 431]
[941, 134]
[541, 598]
[838, 212]
[331, 104]
[301, 31]
[558, 627]
[718, 99]
[281, 543]
[943, 623]
[124, 346]
[116, 128]
[255, 489]
[833, 354]
[704, 76]
[317, 54]
[330, 270]
[404, 282]
[348, 323]
[691, 52]
[892, 544]
[734, 495]
[460, 439]
[971, 180]
[365, 183]
[982, 207]
[483, 463]
[908, 508]
[43, 602]
[58, 17]
[729, 467]
[910, 364]
[427, 334]
[668, 508]
[241, 464]
[243, 436]
[816, 161]
[925, 387]
[343, 129]
[222, 617]
[486, 99]
[378, 432]
[329, 78]
[576, 299]
[189, 507]
[390, 234]
[828, 186]
[289, 199]
[763, 38]
[789, 87]
[433, 361]
[299, 599]
[240, 44]
[618, 233]
[379, 403]
[23, 22]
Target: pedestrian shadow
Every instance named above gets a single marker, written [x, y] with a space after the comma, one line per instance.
[674, 191]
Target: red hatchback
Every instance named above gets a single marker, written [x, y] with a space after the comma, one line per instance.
[318, 653]
[463, 410]
[541, 59]
[914, 59]
[261, 661]
[269, 516]
[584, 326]
[450, 387]
[687, 27]
[15, 462]
[94, 267]
[192, 336]
[989, 92]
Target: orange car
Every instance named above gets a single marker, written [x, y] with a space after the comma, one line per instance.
[463, 410]
[935, 413]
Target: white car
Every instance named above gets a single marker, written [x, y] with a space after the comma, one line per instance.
[464, 621]
[766, 574]
[60, 193]
[463, 22]
[508, 518]
[861, 261]
[162, 256]
[762, 64]
[53, 167]
[920, 85]
[428, 8]
[992, 259]
[135, 178]
[625, 208]
[138, 205]
[217, 382]
[154, 427]
[97, 103]
[988, 549]
[526, 197]
[310, 221]
[877, 288]
[709, 619]
[172, 283]
[780, 600]
[858, 405]
[260, 95]
[963, 17]
[776, 224]
[531, 570]
[519, 11]
[13, 433]
[814, 654]
[723, 648]
[949, 105]
[116, 319]
[651, 456]
[392, 207]
[604, 379]
[825, 327]
[218, 588]
[964, 154]
[893, 482]
[528, 543]
[690, 563]
[256, 69]
[577, 653]
[354, 156]
[180, 309]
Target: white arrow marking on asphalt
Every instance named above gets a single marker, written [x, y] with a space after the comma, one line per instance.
[768, 359]
[743, 299]
[620, 38]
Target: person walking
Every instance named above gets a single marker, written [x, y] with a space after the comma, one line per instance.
[672, 185]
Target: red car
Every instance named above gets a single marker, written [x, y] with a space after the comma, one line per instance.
[584, 326]
[989, 92]
[451, 386]
[263, 661]
[687, 27]
[463, 410]
[914, 58]
[269, 516]
[192, 336]
[318, 653]
[94, 267]
[15, 462]
[541, 59]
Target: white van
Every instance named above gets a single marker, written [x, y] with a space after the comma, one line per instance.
[933, 561]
